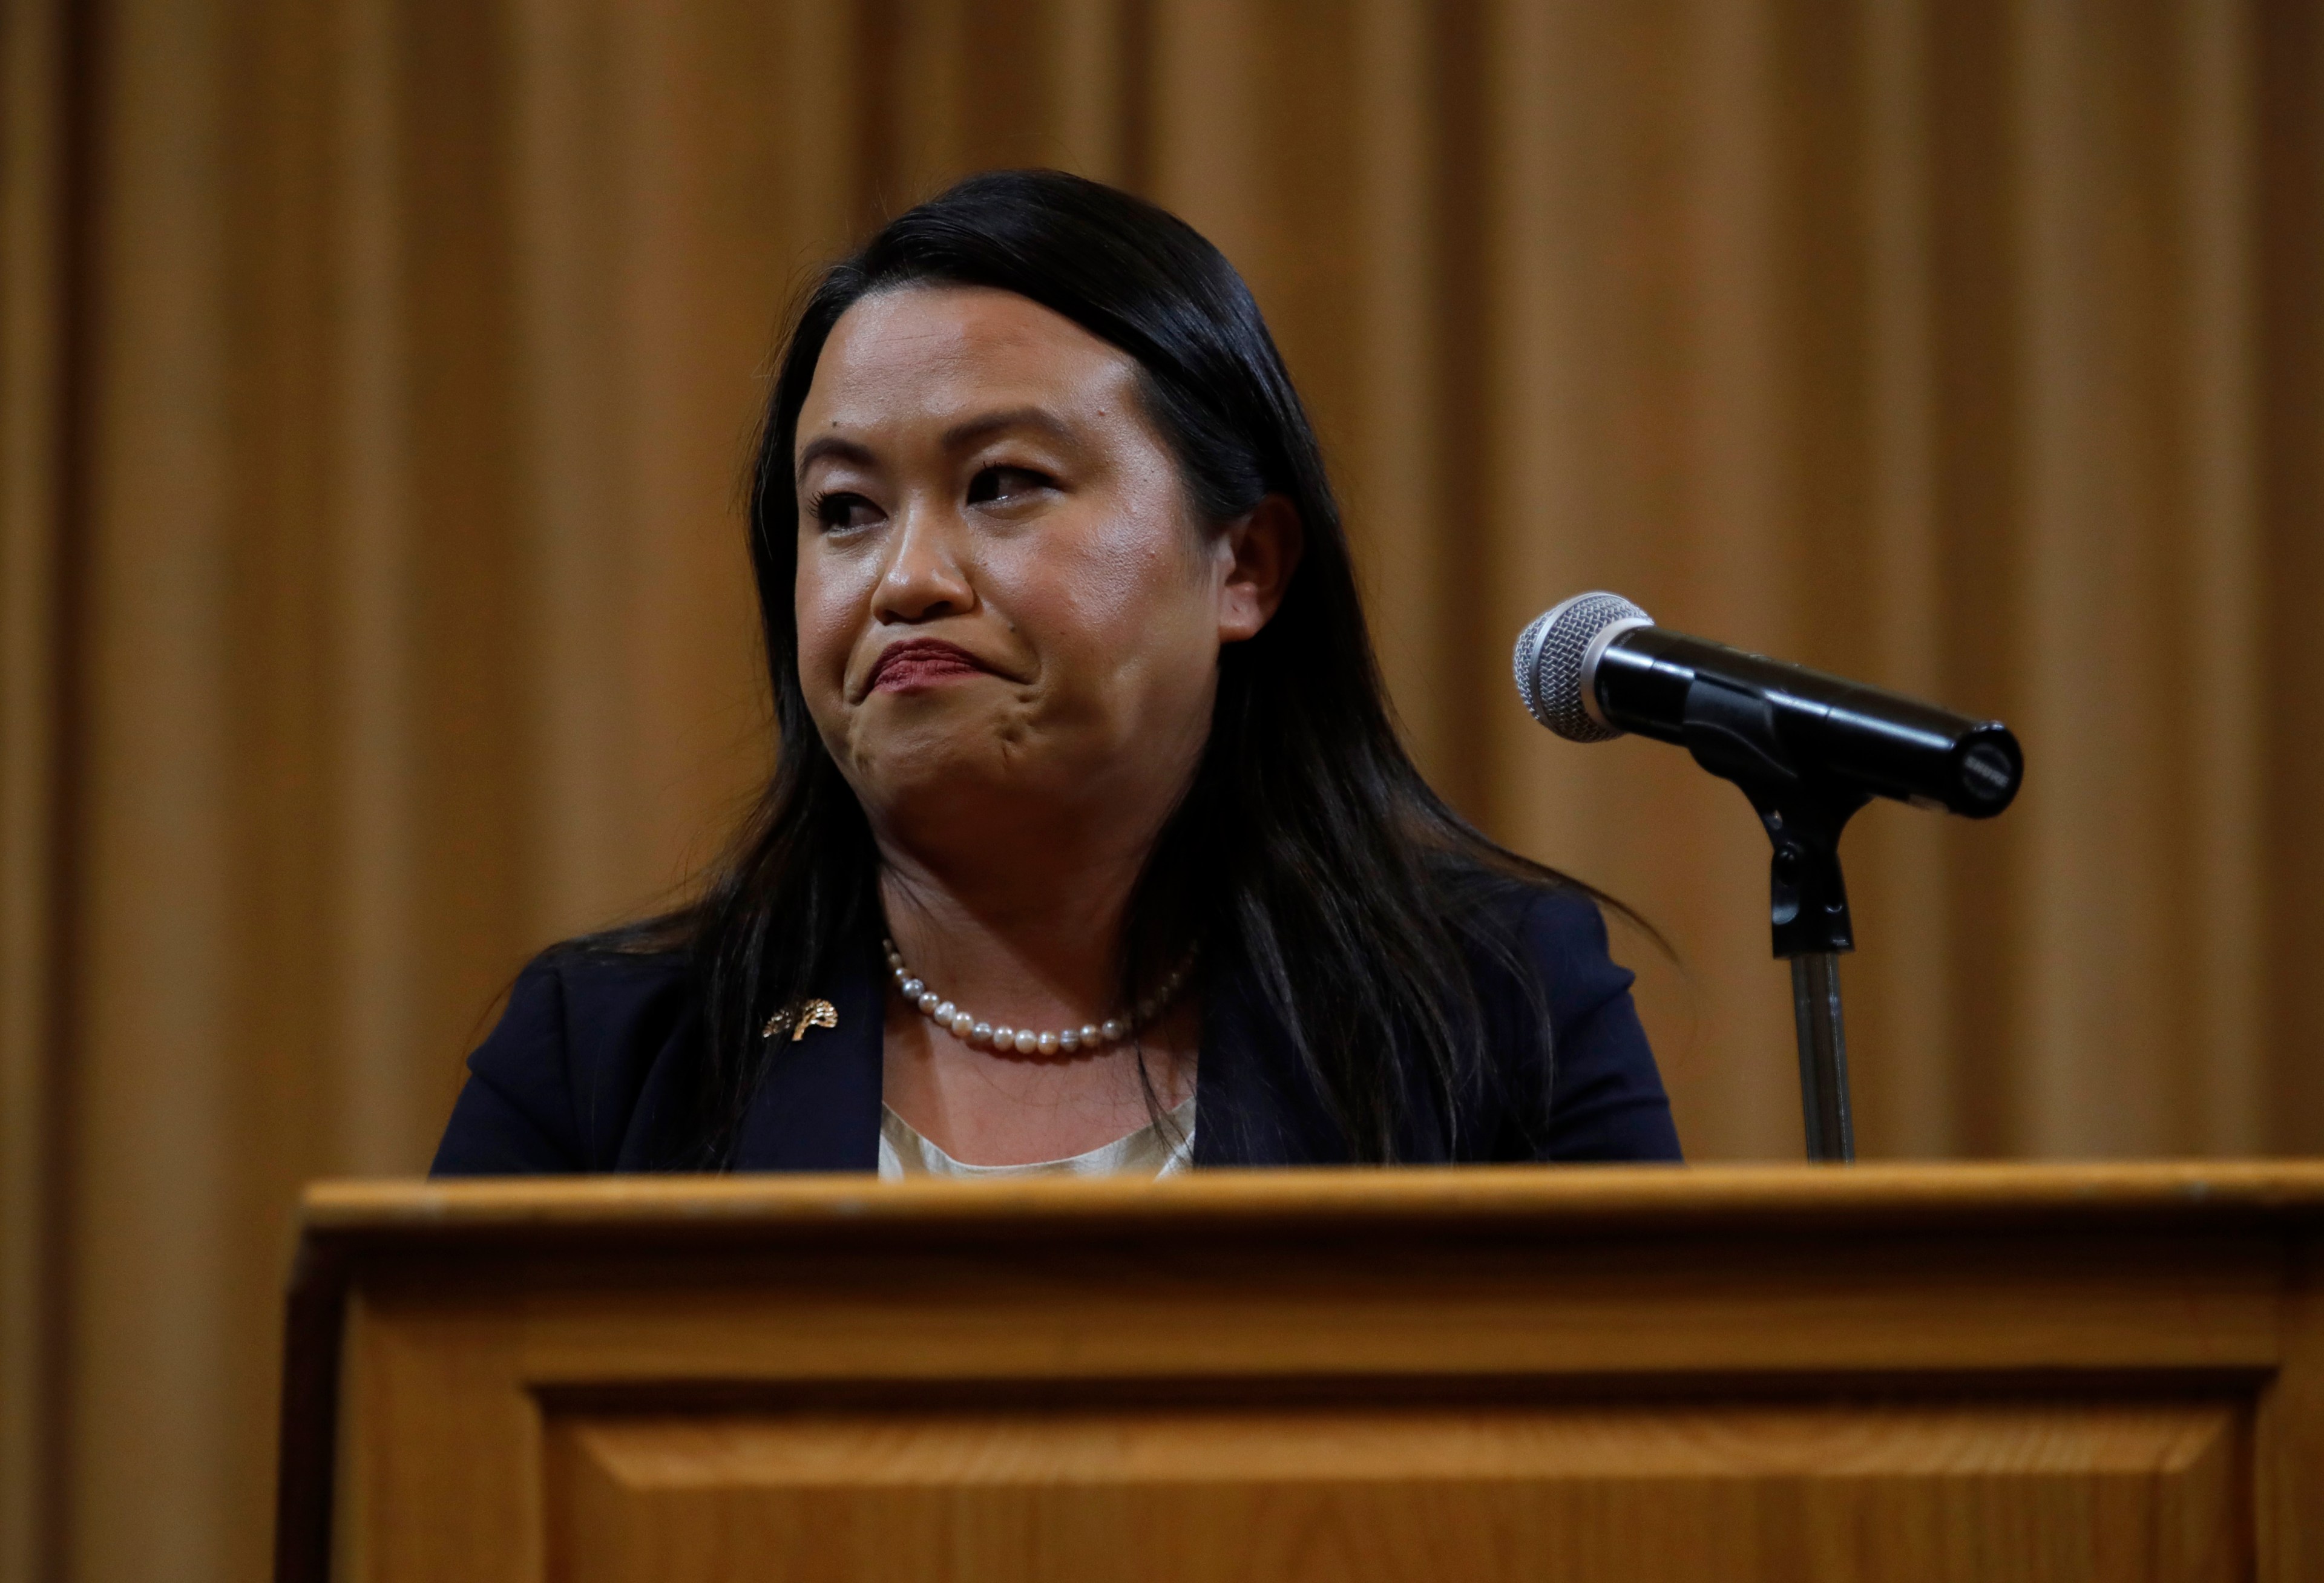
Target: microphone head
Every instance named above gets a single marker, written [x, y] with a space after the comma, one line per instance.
[1555, 655]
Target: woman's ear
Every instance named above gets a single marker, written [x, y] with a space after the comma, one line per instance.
[1263, 551]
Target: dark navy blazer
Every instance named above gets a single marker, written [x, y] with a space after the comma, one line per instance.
[590, 1069]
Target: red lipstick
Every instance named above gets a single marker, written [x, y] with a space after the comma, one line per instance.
[921, 662]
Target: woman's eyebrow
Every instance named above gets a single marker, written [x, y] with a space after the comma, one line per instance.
[961, 437]
[831, 444]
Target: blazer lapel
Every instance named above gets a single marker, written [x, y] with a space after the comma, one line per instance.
[818, 1107]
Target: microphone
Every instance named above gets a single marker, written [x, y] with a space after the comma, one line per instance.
[1597, 667]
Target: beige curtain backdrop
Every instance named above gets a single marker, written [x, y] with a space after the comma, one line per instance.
[378, 377]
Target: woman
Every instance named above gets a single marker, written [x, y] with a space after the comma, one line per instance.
[1090, 845]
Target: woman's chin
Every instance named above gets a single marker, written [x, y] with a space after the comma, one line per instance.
[968, 787]
[925, 772]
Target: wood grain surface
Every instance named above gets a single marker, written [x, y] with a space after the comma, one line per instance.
[2029, 1372]
[1482, 1491]
[2213, 1190]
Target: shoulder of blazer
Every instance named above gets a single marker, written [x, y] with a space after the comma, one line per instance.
[556, 1084]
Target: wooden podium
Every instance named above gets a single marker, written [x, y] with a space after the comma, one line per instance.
[1878, 1373]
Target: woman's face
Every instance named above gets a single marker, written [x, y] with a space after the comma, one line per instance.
[1008, 621]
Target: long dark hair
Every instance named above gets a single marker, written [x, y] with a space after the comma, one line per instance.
[1307, 849]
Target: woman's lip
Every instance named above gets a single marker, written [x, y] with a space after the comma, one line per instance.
[919, 662]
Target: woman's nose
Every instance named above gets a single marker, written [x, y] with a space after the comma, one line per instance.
[925, 578]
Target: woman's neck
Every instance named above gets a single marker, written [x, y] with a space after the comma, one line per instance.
[1029, 938]
[1023, 933]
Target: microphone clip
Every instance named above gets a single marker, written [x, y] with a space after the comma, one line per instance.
[1807, 896]
[1733, 732]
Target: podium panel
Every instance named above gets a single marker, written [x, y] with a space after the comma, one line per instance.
[1885, 1373]
[1484, 1491]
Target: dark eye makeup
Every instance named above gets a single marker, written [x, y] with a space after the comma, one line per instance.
[841, 510]
[994, 486]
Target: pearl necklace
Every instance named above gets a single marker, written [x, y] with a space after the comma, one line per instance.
[1091, 1036]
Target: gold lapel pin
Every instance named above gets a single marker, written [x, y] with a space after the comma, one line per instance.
[815, 1014]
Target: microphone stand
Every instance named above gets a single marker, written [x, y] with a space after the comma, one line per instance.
[1808, 907]
[1731, 732]
[1823, 1056]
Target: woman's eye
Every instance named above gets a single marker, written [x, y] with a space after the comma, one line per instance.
[996, 485]
[844, 510]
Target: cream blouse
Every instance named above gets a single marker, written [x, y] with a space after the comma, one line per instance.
[1158, 1148]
